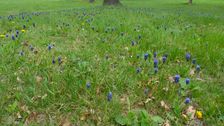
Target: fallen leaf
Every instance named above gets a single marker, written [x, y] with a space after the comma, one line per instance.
[30, 118]
[149, 99]
[192, 72]
[164, 105]
[190, 112]
[171, 79]
[166, 123]
[65, 122]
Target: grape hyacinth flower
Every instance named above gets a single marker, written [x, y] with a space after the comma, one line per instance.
[146, 56]
[177, 78]
[53, 61]
[13, 37]
[156, 70]
[155, 54]
[187, 100]
[146, 91]
[187, 81]
[164, 59]
[109, 96]
[155, 63]
[132, 43]
[88, 85]
[198, 68]
[59, 60]
[31, 48]
[49, 47]
[188, 56]
[193, 61]
[17, 32]
[21, 53]
[138, 70]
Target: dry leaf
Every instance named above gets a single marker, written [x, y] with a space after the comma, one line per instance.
[24, 108]
[65, 122]
[18, 116]
[192, 72]
[164, 105]
[30, 118]
[85, 115]
[171, 79]
[166, 123]
[190, 111]
[149, 99]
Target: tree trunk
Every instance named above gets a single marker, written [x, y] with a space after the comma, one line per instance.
[190, 1]
[111, 2]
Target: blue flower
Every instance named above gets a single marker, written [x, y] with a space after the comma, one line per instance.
[146, 56]
[156, 70]
[198, 68]
[53, 61]
[21, 53]
[164, 59]
[155, 54]
[188, 56]
[193, 61]
[138, 70]
[17, 32]
[187, 81]
[155, 63]
[13, 37]
[187, 100]
[132, 43]
[59, 60]
[49, 47]
[6, 35]
[31, 48]
[88, 85]
[146, 91]
[177, 78]
[109, 96]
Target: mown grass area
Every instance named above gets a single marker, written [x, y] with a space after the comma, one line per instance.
[84, 64]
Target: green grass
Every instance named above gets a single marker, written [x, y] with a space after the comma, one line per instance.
[49, 94]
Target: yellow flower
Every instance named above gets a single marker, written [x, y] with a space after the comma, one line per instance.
[199, 114]
[23, 30]
[2, 36]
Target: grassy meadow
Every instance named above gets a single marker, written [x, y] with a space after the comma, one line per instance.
[147, 63]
